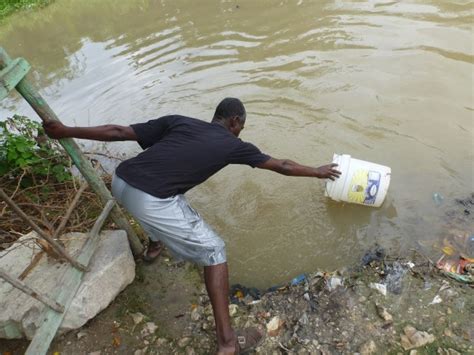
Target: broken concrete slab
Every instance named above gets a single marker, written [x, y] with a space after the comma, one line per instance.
[112, 269]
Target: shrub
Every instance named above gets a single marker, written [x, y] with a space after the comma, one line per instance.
[26, 151]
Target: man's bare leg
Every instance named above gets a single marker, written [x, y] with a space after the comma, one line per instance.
[217, 285]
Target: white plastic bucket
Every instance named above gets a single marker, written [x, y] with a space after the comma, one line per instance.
[361, 182]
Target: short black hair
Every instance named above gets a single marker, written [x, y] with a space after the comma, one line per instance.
[230, 107]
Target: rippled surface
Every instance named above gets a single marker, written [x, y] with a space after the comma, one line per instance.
[385, 81]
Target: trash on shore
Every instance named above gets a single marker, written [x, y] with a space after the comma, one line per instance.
[457, 259]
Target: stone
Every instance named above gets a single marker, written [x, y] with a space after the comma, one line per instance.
[98, 352]
[448, 351]
[448, 332]
[183, 342]
[233, 309]
[149, 329]
[81, 335]
[196, 313]
[383, 313]
[161, 342]
[112, 268]
[379, 287]
[414, 338]
[137, 317]
[190, 351]
[368, 348]
[274, 326]
[141, 351]
[304, 319]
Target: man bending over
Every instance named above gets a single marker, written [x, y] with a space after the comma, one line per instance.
[179, 153]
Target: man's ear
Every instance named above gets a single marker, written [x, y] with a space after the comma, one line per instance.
[234, 121]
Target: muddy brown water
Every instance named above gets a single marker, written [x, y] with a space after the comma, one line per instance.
[385, 81]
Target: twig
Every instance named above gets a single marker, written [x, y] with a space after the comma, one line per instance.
[71, 208]
[32, 264]
[424, 256]
[37, 295]
[104, 155]
[283, 347]
[18, 185]
[61, 251]
[14, 192]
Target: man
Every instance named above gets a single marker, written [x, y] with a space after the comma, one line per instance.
[180, 153]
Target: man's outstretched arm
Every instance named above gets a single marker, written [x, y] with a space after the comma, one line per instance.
[106, 133]
[291, 168]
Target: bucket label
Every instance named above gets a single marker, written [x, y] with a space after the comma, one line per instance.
[364, 187]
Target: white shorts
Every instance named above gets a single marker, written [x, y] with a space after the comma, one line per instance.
[173, 222]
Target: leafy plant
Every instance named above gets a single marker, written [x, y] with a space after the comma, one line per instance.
[9, 6]
[25, 150]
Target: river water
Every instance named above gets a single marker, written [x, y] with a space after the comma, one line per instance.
[386, 81]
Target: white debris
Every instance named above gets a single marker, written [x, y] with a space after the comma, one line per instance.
[379, 287]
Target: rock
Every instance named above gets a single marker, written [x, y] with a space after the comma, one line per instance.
[383, 313]
[161, 342]
[183, 342]
[81, 335]
[448, 351]
[137, 317]
[415, 338]
[208, 310]
[196, 313]
[413, 352]
[368, 348]
[190, 351]
[112, 269]
[149, 329]
[379, 287]
[233, 309]
[303, 319]
[140, 351]
[98, 352]
[274, 326]
[448, 332]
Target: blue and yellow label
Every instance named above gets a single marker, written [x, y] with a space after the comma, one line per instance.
[364, 187]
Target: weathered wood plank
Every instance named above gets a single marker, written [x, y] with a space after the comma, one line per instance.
[11, 75]
[69, 285]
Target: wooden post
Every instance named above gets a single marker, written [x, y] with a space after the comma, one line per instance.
[45, 112]
[56, 247]
[69, 285]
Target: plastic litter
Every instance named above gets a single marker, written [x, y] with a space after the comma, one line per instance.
[298, 279]
[377, 254]
[457, 260]
[437, 299]
[242, 294]
[333, 283]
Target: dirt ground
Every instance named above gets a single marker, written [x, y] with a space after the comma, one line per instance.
[166, 311]
[163, 292]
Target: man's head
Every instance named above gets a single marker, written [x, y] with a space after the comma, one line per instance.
[231, 113]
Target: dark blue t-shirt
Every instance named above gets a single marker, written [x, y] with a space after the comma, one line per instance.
[181, 152]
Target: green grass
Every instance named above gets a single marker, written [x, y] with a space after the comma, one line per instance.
[7, 7]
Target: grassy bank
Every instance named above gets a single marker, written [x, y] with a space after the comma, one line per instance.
[7, 7]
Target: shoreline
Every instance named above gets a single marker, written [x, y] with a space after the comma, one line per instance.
[166, 310]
